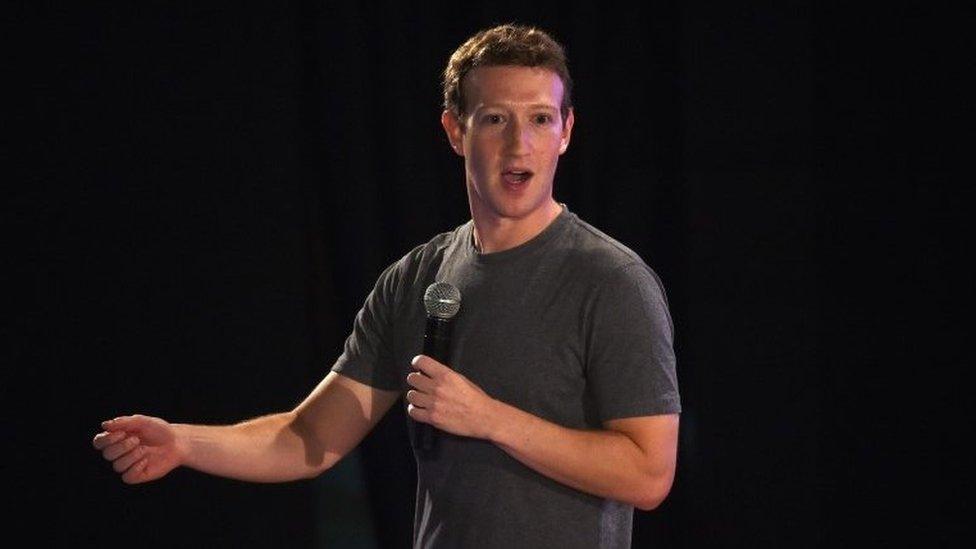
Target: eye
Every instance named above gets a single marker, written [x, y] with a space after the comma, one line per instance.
[542, 118]
[492, 118]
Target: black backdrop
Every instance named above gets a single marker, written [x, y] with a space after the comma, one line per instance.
[206, 194]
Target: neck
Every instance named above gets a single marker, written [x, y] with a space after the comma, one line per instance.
[493, 233]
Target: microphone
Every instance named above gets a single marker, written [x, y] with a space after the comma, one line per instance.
[441, 301]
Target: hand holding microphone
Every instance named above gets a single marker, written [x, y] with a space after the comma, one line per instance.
[442, 301]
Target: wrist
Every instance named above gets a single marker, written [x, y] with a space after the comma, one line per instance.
[182, 443]
[495, 420]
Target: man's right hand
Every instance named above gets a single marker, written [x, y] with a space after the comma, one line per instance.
[141, 448]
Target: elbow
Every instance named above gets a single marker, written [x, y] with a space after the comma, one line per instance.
[313, 470]
[315, 456]
[312, 467]
[650, 503]
[655, 491]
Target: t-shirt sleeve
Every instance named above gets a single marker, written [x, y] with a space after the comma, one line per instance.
[630, 366]
[367, 355]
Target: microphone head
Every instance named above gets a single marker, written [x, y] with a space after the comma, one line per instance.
[442, 300]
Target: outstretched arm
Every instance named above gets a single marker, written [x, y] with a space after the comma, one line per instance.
[631, 460]
[301, 443]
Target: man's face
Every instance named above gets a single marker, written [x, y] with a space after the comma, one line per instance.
[511, 138]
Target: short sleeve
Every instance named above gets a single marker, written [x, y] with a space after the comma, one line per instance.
[630, 360]
[367, 355]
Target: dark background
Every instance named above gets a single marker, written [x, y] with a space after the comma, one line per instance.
[204, 195]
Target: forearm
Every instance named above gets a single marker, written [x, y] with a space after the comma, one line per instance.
[603, 463]
[266, 449]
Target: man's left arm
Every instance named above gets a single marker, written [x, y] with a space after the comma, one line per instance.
[630, 460]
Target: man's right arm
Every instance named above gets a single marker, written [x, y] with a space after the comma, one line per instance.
[301, 443]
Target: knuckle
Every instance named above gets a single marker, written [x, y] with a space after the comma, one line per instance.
[122, 463]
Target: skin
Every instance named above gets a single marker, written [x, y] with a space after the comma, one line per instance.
[512, 122]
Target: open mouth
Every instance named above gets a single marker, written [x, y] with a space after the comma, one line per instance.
[516, 177]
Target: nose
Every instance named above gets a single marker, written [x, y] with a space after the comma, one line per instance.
[518, 138]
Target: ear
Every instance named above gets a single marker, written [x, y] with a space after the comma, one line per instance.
[454, 131]
[567, 131]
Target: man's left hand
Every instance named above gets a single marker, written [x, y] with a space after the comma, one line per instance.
[448, 400]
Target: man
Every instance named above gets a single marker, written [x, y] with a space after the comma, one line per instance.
[558, 411]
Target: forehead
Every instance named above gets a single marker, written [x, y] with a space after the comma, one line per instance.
[512, 84]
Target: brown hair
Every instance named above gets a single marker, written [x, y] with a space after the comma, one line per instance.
[505, 45]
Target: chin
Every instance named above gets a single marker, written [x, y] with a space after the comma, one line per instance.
[517, 210]
[502, 204]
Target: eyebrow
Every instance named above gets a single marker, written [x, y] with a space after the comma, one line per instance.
[531, 106]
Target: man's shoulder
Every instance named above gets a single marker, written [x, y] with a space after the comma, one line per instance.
[423, 258]
[616, 273]
[600, 253]
[434, 248]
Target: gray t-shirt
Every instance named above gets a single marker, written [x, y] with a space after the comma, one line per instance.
[571, 326]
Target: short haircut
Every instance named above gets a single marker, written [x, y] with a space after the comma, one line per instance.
[505, 45]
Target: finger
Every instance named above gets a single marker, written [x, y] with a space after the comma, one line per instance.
[104, 439]
[428, 365]
[420, 381]
[118, 449]
[127, 460]
[418, 414]
[121, 423]
[419, 399]
[113, 424]
[137, 473]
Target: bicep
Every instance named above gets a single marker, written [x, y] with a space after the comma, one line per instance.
[337, 414]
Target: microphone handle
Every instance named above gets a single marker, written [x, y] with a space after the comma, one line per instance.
[437, 345]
